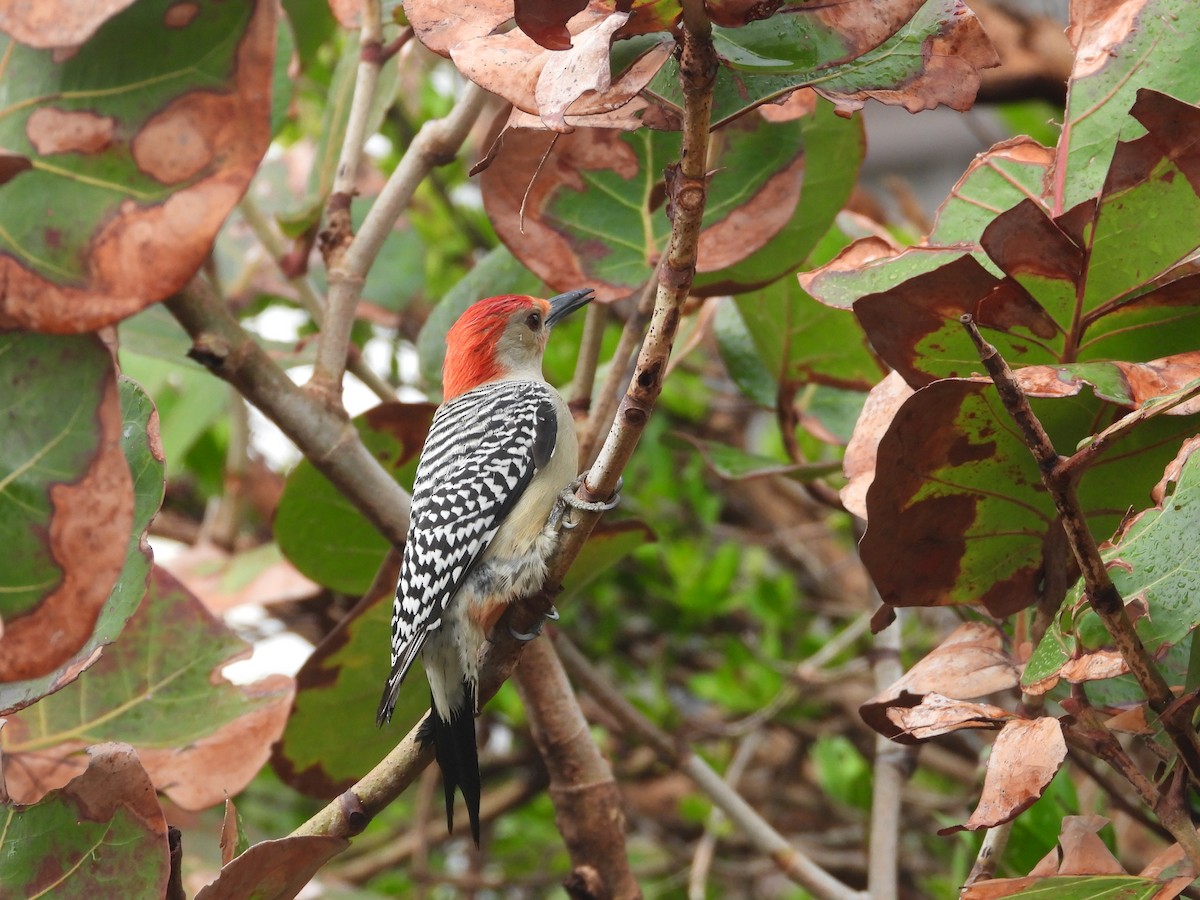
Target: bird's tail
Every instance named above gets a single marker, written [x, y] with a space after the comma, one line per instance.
[453, 740]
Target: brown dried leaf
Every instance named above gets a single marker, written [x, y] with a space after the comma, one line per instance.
[56, 23]
[858, 464]
[569, 74]
[551, 83]
[274, 870]
[443, 24]
[546, 20]
[1025, 758]
[970, 662]
[949, 76]
[229, 833]
[937, 714]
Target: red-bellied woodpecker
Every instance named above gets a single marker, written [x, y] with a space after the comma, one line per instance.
[500, 455]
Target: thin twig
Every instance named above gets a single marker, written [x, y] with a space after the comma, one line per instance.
[580, 398]
[437, 143]
[893, 765]
[334, 340]
[706, 847]
[268, 235]
[791, 861]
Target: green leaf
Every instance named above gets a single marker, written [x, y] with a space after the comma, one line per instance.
[103, 830]
[782, 44]
[189, 400]
[321, 532]
[834, 147]
[158, 688]
[143, 454]
[1009, 172]
[608, 544]
[1091, 284]
[148, 151]
[1155, 565]
[1118, 54]
[742, 359]
[801, 341]
[68, 505]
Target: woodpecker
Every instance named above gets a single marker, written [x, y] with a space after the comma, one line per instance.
[500, 455]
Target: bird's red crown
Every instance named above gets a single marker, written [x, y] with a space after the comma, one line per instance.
[471, 341]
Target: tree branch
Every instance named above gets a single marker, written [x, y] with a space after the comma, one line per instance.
[587, 803]
[436, 144]
[326, 438]
[334, 339]
[268, 235]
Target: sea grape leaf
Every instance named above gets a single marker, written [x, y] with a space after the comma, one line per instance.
[1003, 176]
[957, 512]
[200, 738]
[68, 504]
[932, 59]
[150, 151]
[834, 147]
[801, 341]
[593, 216]
[1084, 285]
[143, 454]
[321, 532]
[1120, 48]
[103, 828]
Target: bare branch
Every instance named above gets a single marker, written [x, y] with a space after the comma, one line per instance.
[335, 331]
[268, 235]
[328, 440]
[437, 143]
[587, 803]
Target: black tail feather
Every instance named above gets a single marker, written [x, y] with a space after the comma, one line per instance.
[457, 756]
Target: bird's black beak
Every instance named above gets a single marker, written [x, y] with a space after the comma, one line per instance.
[565, 304]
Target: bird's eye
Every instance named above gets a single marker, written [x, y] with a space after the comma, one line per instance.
[534, 321]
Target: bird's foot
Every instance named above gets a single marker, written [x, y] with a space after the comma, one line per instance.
[551, 615]
[568, 501]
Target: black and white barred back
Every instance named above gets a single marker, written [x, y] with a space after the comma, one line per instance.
[483, 449]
